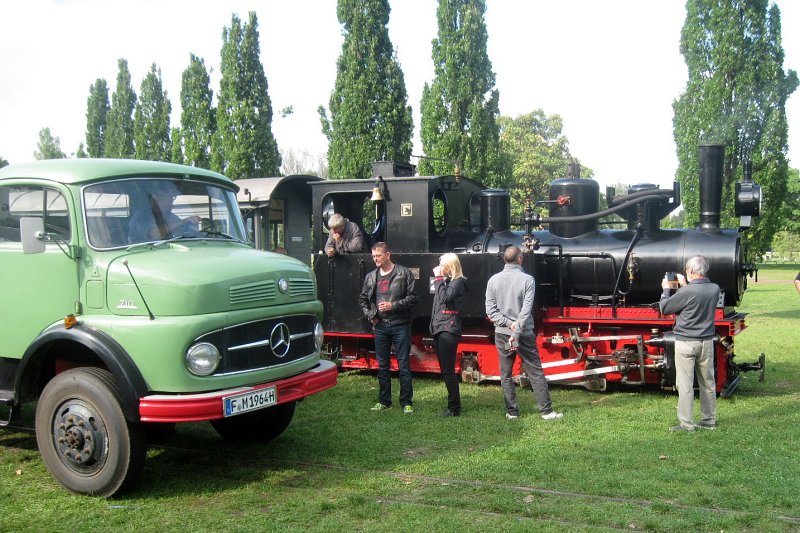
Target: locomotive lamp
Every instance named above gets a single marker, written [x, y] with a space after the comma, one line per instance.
[747, 202]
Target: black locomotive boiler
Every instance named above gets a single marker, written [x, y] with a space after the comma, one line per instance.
[597, 318]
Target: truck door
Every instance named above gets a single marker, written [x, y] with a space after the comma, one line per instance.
[38, 289]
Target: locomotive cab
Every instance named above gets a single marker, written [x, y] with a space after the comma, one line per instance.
[277, 213]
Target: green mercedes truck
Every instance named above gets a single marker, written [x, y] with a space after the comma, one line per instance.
[132, 301]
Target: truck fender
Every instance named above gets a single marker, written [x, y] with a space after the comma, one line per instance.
[130, 382]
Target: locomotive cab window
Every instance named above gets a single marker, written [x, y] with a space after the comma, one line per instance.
[356, 207]
[475, 211]
[328, 209]
[373, 217]
[439, 210]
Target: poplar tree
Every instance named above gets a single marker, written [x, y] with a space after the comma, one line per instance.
[119, 130]
[151, 119]
[49, 147]
[197, 114]
[735, 95]
[97, 108]
[461, 106]
[3, 163]
[370, 118]
[244, 114]
[177, 147]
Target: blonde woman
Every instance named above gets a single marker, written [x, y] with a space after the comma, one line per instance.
[450, 288]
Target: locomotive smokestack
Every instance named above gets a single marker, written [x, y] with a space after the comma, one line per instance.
[711, 161]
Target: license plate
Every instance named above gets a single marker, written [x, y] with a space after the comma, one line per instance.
[250, 401]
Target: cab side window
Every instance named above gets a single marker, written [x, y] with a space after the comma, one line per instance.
[17, 202]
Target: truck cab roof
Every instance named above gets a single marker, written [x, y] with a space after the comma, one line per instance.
[82, 171]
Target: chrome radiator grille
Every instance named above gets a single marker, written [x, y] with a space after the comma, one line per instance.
[263, 343]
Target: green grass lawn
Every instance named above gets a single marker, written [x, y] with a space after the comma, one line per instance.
[610, 464]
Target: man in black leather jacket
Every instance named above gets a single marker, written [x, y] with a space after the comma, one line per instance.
[386, 299]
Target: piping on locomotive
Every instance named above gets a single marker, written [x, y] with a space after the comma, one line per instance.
[597, 290]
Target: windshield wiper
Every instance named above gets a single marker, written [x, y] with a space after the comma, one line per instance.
[153, 244]
[212, 233]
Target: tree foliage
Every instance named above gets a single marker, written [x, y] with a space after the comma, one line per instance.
[736, 95]
[536, 153]
[303, 162]
[151, 119]
[119, 131]
[176, 151]
[461, 106]
[791, 217]
[3, 163]
[49, 147]
[197, 115]
[370, 116]
[786, 244]
[245, 142]
[97, 108]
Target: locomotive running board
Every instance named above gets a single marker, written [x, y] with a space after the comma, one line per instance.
[579, 373]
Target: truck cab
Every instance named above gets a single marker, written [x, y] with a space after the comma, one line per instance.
[132, 301]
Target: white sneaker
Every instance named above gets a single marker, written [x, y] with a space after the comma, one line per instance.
[511, 417]
[552, 415]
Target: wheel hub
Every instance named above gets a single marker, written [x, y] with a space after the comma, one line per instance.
[79, 436]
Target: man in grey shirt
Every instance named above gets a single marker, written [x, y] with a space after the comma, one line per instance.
[693, 305]
[509, 305]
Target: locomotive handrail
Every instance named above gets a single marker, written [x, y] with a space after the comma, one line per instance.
[639, 194]
[561, 256]
[603, 213]
[635, 238]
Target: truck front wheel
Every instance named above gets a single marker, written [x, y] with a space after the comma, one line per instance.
[263, 425]
[85, 441]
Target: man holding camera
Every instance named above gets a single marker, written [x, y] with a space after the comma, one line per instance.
[693, 305]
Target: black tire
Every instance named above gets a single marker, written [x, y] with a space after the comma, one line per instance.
[262, 426]
[85, 441]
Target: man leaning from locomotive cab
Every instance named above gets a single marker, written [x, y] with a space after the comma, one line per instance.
[693, 305]
[345, 237]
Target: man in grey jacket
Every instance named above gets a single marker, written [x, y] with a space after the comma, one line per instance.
[509, 305]
[693, 305]
[345, 237]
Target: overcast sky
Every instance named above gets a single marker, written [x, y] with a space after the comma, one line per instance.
[610, 68]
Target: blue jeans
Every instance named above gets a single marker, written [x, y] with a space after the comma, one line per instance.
[400, 336]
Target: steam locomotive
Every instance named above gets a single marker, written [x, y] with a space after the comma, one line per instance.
[597, 290]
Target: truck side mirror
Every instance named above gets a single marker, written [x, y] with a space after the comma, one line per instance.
[33, 235]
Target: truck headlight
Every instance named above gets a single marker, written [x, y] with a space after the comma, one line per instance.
[202, 358]
[319, 334]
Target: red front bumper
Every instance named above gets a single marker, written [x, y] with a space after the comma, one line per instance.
[209, 405]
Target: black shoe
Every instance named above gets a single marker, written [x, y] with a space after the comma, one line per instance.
[448, 412]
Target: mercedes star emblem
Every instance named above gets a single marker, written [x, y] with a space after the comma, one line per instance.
[280, 340]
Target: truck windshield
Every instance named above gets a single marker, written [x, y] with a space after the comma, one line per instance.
[131, 211]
